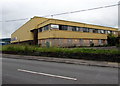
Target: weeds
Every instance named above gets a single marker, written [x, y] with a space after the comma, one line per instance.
[30, 48]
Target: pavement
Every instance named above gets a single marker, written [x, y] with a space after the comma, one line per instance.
[21, 71]
[64, 60]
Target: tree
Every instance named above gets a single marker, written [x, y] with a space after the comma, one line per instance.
[112, 40]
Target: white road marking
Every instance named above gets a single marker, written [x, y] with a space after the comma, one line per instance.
[45, 74]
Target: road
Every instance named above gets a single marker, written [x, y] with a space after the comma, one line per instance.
[18, 71]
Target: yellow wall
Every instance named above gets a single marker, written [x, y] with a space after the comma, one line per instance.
[70, 34]
[23, 33]
[62, 22]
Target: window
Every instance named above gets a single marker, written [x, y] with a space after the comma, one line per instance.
[100, 41]
[102, 31]
[91, 30]
[69, 28]
[105, 31]
[99, 31]
[81, 41]
[74, 29]
[114, 32]
[54, 26]
[43, 28]
[108, 32]
[81, 29]
[85, 30]
[63, 27]
[40, 30]
[95, 31]
[91, 41]
[69, 41]
[78, 28]
[46, 28]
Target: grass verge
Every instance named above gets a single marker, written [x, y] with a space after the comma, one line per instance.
[75, 53]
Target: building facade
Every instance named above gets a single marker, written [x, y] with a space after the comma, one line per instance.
[118, 37]
[60, 33]
[5, 41]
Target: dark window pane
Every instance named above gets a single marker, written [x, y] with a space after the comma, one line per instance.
[95, 31]
[40, 30]
[46, 28]
[74, 29]
[63, 27]
[85, 30]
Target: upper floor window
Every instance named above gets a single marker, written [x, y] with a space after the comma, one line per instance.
[74, 29]
[40, 30]
[114, 32]
[69, 28]
[85, 29]
[91, 30]
[95, 31]
[109, 32]
[102, 31]
[46, 27]
[63, 27]
[78, 29]
[105, 31]
[54, 26]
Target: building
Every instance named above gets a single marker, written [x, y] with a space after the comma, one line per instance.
[118, 37]
[5, 41]
[60, 33]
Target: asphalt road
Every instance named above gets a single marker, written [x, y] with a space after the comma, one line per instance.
[18, 71]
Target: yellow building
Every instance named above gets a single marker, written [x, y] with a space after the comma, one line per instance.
[61, 33]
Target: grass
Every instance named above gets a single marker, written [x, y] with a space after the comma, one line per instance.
[28, 48]
[112, 55]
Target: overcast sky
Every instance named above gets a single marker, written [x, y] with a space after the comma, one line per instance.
[20, 9]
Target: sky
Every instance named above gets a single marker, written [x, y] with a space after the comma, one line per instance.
[20, 9]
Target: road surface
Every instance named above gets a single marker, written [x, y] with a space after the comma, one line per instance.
[19, 71]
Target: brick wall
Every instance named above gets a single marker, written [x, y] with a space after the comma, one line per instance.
[58, 42]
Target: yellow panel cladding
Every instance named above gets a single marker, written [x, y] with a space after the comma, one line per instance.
[71, 23]
[23, 33]
[70, 34]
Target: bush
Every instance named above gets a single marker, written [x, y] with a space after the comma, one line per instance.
[117, 45]
[29, 48]
[112, 40]
[76, 53]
